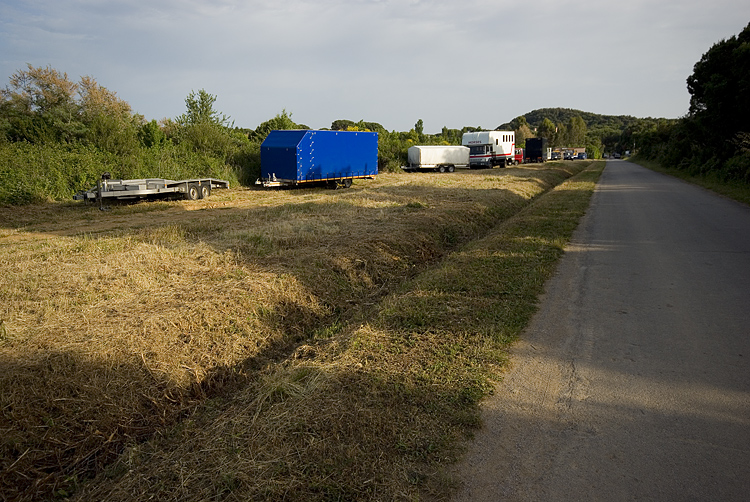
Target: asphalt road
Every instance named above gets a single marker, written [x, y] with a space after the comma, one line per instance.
[633, 380]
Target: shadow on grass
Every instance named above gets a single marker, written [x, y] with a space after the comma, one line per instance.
[82, 413]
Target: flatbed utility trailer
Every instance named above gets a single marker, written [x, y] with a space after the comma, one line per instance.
[192, 189]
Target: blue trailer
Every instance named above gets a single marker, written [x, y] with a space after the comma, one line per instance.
[334, 158]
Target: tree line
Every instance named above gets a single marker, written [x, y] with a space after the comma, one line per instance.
[57, 136]
[565, 127]
[713, 139]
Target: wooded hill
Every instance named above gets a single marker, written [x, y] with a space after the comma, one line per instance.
[608, 133]
[592, 120]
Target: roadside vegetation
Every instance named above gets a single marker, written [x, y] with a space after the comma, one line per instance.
[732, 189]
[275, 345]
[713, 141]
[57, 136]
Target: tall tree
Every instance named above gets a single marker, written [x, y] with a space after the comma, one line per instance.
[203, 129]
[720, 89]
[110, 123]
[342, 124]
[200, 110]
[576, 131]
[546, 130]
[39, 105]
[96, 100]
[561, 138]
[280, 122]
[522, 129]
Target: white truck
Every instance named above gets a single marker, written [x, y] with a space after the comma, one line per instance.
[440, 158]
[490, 148]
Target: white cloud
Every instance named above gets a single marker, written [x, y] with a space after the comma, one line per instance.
[477, 62]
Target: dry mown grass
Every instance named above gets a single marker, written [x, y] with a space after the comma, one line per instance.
[252, 337]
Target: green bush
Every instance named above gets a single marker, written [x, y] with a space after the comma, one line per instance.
[39, 172]
[245, 162]
[738, 168]
[36, 172]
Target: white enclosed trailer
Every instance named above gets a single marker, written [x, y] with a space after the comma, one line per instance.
[439, 158]
[490, 148]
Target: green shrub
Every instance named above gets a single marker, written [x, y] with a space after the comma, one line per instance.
[36, 172]
[738, 167]
[245, 162]
[39, 172]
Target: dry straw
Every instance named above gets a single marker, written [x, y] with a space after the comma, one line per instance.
[236, 335]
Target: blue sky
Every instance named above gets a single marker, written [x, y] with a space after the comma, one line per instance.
[451, 63]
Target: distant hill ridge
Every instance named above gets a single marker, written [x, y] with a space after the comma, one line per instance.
[563, 115]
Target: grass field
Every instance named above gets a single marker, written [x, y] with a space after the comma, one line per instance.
[269, 345]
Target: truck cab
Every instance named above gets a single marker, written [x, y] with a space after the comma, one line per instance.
[490, 148]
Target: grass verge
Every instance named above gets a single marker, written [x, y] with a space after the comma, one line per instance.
[379, 409]
[268, 344]
[734, 190]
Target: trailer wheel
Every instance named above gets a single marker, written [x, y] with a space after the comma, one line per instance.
[346, 183]
[193, 193]
[451, 169]
[441, 169]
[205, 190]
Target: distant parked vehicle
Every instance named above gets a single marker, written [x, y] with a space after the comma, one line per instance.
[556, 156]
[440, 158]
[568, 156]
[490, 148]
[581, 156]
[536, 150]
